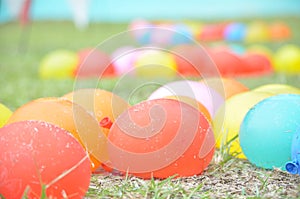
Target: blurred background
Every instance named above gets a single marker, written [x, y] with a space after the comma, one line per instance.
[43, 44]
[125, 11]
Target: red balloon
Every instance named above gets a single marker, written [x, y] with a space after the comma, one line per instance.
[193, 61]
[161, 138]
[212, 32]
[256, 64]
[228, 63]
[35, 154]
[94, 63]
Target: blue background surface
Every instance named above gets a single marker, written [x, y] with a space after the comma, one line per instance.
[124, 11]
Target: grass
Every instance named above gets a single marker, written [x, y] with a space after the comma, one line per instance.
[21, 50]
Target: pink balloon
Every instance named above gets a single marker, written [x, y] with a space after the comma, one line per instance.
[123, 59]
[196, 90]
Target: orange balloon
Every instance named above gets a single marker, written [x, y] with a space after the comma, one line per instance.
[194, 103]
[69, 116]
[161, 138]
[280, 31]
[34, 154]
[225, 86]
[99, 103]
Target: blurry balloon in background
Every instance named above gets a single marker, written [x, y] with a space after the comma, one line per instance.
[226, 123]
[58, 64]
[161, 35]
[181, 35]
[93, 63]
[287, 59]
[155, 63]
[141, 31]
[279, 31]
[267, 131]
[37, 156]
[235, 32]
[228, 63]
[123, 59]
[256, 64]
[5, 113]
[191, 60]
[257, 31]
[194, 27]
[212, 32]
[237, 49]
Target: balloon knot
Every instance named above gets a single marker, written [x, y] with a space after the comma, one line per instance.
[106, 123]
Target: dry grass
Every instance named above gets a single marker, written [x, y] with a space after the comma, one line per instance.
[234, 178]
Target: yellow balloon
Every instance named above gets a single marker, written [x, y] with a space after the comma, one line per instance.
[257, 32]
[226, 123]
[5, 114]
[195, 27]
[155, 63]
[58, 64]
[276, 89]
[287, 59]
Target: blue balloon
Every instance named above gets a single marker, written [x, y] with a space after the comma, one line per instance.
[182, 35]
[235, 32]
[293, 166]
[238, 49]
[145, 38]
[267, 131]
